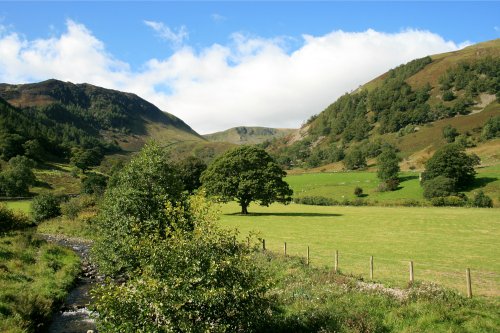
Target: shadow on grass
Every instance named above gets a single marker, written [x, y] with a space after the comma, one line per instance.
[480, 182]
[407, 178]
[286, 214]
[43, 184]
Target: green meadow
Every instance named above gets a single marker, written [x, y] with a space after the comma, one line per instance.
[442, 242]
[340, 185]
[19, 205]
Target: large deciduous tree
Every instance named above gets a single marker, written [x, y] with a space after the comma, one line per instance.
[452, 162]
[246, 174]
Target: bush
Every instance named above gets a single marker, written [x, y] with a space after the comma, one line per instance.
[94, 183]
[492, 128]
[45, 206]
[449, 201]
[358, 191]
[388, 185]
[481, 200]
[198, 280]
[438, 187]
[71, 208]
[449, 133]
[315, 201]
[12, 221]
[411, 203]
[448, 96]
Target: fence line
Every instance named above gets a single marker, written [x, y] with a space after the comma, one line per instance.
[412, 265]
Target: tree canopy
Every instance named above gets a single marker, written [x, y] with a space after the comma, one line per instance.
[388, 167]
[246, 174]
[181, 273]
[135, 206]
[189, 171]
[452, 162]
[16, 179]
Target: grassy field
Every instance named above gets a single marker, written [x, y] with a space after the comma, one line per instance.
[442, 242]
[19, 205]
[341, 185]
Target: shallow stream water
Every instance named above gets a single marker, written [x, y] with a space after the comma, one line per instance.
[73, 316]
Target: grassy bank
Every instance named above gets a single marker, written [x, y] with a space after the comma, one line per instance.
[315, 300]
[442, 242]
[34, 276]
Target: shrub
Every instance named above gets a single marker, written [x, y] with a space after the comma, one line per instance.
[448, 96]
[71, 208]
[449, 133]
[449, 201]
[315, 201]
[438, 187]
[481, 200]
[10, 220]
[198, 280]
[358, 191]
[492, 128]
[45, 206]
[411, 203]
[94, 183]
[388, 185]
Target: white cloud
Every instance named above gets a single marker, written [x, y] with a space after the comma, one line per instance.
[249, 81]
[176, 38]
[218, 17]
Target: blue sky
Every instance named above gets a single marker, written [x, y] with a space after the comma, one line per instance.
[173, 53]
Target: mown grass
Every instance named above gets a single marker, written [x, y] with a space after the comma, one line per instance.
[316, 300]
[34, 276]
[341, 185]
[442, 242]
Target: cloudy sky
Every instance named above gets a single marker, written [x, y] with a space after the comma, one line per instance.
[223, 64]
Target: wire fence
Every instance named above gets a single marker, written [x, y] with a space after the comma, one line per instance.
[396, 271]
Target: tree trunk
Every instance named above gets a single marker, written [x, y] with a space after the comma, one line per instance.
[244, 207]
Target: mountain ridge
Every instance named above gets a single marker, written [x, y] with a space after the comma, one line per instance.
[116, 116]
[248, 134]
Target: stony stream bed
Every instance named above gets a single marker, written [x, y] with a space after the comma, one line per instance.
[73, 315]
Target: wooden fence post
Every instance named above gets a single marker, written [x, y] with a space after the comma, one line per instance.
[284, 249]
[307, 263]
[371, 267]
[336, 261]
[263, 244]
[469, 283]
[411, 272]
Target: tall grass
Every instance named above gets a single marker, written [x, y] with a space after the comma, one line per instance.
[317, 300]
[34, 277]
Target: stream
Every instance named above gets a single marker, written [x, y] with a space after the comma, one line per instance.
[73, 316]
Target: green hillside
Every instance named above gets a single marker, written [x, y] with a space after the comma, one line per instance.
[408, 107]
[248, 135]
[72, 111]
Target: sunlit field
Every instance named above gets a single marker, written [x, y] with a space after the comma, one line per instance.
[442, 242]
